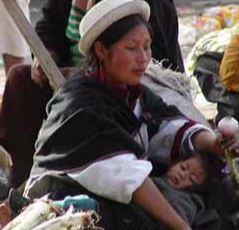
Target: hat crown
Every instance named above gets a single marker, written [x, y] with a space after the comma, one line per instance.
[104, 14]
[98, 11]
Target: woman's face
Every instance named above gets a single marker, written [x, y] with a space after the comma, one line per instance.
[126, 61]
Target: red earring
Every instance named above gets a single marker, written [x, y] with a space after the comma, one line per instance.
[101, 72]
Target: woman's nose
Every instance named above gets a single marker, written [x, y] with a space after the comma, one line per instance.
[142, 56]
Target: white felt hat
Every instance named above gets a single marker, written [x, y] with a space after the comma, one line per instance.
[103, 15]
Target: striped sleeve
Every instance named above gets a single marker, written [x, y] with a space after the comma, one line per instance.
[174, 140]
[72, 29]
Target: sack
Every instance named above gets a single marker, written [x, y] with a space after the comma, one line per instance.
[228, 105]
[174, 88]
[207, 74]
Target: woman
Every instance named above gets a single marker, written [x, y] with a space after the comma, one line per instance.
[30, 91]
[101, 124]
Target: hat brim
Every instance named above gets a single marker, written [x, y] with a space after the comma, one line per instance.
[126, 9]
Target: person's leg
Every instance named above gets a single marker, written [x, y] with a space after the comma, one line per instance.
[10, 60]
[21, 116]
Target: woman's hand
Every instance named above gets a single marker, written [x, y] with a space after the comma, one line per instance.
[206, 141]
[230, 144]
[5, 214]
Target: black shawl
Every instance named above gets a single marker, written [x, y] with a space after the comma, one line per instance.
[88, 121]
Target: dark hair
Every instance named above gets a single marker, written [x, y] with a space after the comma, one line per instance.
[213, 166]
[114, 33]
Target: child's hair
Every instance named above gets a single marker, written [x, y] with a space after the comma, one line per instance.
[213, 168]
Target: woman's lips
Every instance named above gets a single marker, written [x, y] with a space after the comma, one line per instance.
[140, 71]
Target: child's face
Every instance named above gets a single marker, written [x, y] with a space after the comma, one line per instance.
[186, 173]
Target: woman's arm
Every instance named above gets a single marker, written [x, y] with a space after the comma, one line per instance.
[206, 141]
[149, 198]
[124, 178]
[211, 142]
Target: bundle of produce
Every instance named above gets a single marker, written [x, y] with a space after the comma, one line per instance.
[45, 215]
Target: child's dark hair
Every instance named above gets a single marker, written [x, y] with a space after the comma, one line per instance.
[213, 167]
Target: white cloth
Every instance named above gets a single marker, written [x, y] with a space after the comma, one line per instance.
[11, 40]
[115, 178]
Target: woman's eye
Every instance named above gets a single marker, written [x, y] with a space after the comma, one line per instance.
[146, 48]
[130, 48]
[182, 166]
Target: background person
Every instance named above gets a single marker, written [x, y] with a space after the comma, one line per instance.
[101, 123]
[27, 90]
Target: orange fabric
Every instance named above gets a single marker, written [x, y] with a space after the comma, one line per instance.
[229, 68]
